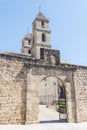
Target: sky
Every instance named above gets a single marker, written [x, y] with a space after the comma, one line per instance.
[68, 24]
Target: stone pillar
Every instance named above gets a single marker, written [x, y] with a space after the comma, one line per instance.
[32, 106]
[70, 104]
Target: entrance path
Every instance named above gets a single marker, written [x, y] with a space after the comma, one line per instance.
[54, 126]
[49, 121]
[47, 115]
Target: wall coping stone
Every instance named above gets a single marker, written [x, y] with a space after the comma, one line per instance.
[33, 61]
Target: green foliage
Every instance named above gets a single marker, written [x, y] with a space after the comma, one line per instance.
[62, 104]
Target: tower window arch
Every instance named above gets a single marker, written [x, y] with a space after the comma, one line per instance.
[42, 23]
[43, 37]
[29, 51]
[29, 41]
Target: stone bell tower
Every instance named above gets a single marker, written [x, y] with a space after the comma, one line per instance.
[27, 44]
[38, 44]
[40, 36]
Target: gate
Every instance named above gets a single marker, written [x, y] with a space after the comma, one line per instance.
[57, 99]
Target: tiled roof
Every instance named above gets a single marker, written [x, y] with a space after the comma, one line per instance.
[28, 36]
[41, 17]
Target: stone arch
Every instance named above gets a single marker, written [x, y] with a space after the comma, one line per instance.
[58, 96]
[58, 77]
[70, 103]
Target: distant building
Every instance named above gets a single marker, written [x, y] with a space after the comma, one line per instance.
[38, 75]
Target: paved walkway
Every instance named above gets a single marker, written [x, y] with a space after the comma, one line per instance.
[47, 115]
[54, 126]
[49, 121]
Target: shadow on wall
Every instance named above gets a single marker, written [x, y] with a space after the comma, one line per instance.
[21, 79]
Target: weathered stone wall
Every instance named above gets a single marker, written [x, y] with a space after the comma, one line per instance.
[11, 89]
[21, 84]
[18, 102]
[54, 73]
[32, 101]
[80, 79]
[52, 57]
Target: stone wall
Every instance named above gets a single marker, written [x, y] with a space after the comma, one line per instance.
[18, 102]
[52, 57]
[21, 82]
[80, 79]
[54, 74]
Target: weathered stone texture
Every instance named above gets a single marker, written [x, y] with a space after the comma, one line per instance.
[24, 80]
[80, 79]
[47, 79]
[37, 76]
[15, 98]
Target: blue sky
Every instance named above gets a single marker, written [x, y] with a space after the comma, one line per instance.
[68, 24]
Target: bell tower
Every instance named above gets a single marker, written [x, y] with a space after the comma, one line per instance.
[37, 44]
[40, 36]
[26, 44]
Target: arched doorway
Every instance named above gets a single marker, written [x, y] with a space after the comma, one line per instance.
[53, 96]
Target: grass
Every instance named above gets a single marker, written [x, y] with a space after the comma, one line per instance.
[62, 104]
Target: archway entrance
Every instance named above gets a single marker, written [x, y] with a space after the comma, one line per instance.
[52, 96]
